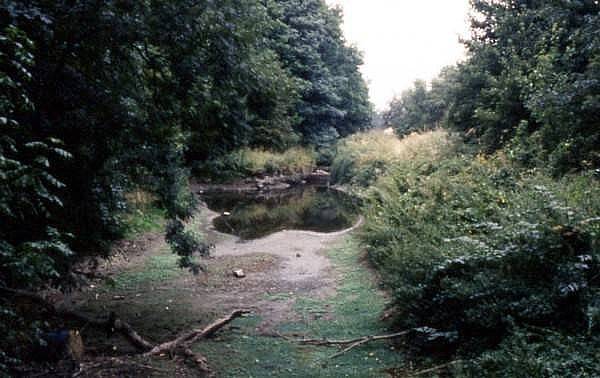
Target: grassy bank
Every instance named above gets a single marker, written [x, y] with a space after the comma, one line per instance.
[160, 303]
[493, 264]
[256, 162]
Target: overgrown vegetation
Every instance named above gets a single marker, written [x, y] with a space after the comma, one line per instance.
[296, 161]
[493, 256]
[143, 214]
[362, 158]
[477, 250]
[491, 248]
[486, 259]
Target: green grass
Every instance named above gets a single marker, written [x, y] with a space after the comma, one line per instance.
[159, 268]
[353, 310]
[143, 219]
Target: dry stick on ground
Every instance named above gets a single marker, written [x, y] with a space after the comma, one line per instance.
[181, 344]
[435, 368]
[353, 343]
[185, 341]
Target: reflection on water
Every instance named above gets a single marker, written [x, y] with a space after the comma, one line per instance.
[255, 215]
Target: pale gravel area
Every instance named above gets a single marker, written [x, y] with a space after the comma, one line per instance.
[301, 252]
[302, 268]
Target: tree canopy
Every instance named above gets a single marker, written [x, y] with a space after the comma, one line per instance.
[530, 81]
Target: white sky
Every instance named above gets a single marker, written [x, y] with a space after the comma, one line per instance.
[404, 40]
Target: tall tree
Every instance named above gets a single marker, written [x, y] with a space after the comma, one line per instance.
[334, 98]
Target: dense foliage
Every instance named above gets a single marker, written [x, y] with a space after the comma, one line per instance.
[530, 81]
[334, 99]
[101, 99]
[476, 251]
[493, 256]
[488, 262]
[421, 108]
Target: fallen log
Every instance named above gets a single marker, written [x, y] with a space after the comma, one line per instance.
[188, 338]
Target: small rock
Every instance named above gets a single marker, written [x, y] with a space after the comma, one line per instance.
[298, 255]
[239, 273]
[75, 347]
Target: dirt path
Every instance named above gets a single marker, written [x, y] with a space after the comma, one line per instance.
[297, 283]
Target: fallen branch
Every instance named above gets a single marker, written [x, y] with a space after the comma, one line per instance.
[352, 343]
[187, 339]
[180, 345]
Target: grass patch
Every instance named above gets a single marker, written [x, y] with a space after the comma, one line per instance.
[357, 304]
[354, 310]
[146, 297]
[156, 269]
[143, 215]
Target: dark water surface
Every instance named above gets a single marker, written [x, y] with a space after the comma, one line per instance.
[255, 215]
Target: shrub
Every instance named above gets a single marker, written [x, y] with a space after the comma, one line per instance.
[473, 248]
[537, 353]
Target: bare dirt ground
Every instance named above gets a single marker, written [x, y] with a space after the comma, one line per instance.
[144, 286]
